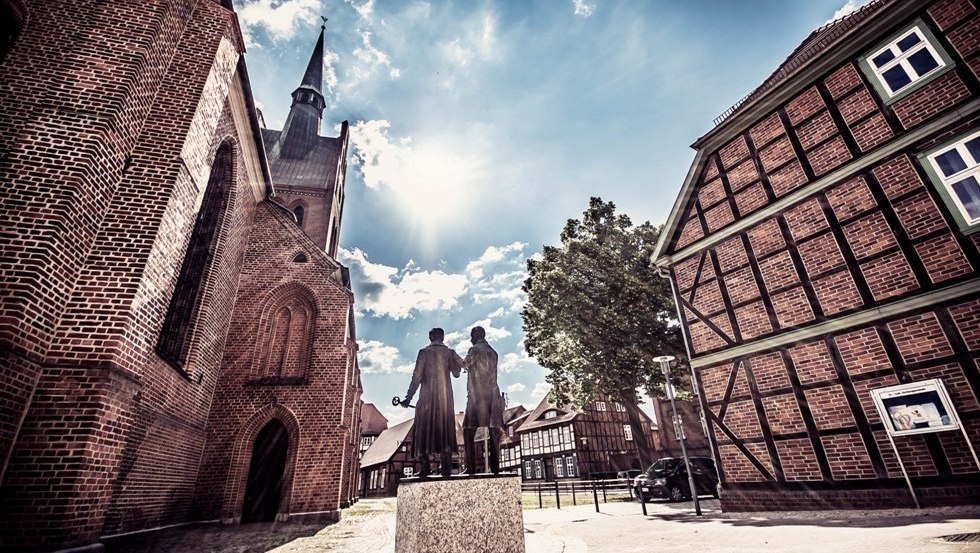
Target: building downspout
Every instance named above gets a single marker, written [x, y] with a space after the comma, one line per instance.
[662, 273]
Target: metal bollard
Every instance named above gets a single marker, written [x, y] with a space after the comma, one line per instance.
[595, 497]
[540, 504]
[604, 492]
[557, 495]
[573, 493]
[643, 500]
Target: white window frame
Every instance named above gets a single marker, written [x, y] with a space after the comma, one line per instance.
[550, 414]
[628, 432]
[570, 464]
[559, 467]
[408, 471]
[538, 469]
[928, 42]
[944, 184]
[600, 406]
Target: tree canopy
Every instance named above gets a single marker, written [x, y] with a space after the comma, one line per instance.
[597, 314]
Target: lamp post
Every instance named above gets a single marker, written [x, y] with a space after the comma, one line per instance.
[664, 361]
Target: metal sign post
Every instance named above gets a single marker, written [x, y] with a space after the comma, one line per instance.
[664, 361]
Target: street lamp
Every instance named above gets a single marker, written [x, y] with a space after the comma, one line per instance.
[664, 361]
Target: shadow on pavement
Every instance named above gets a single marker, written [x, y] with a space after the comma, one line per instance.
[684, 512]
[213, 538]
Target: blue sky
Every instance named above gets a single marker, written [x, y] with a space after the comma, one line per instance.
[479, 128]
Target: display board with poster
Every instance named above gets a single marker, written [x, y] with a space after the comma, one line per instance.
[916, 408]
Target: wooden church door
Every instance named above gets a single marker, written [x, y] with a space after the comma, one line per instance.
[265, 474]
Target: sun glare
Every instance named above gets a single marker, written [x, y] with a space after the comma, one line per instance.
[436, 187]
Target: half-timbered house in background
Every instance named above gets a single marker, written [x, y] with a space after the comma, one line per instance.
[825, 244]
[595, 441]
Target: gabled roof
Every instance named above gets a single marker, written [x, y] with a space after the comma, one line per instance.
[812, 46]
[387, 444]
[372, 421]
[821, 40]
[536, 418]
[513, 412]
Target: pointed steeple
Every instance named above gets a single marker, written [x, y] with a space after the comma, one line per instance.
[314, 70]
[299, 134]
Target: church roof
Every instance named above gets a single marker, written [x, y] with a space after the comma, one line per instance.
[317, 169]
[372, 421]
[387, 444]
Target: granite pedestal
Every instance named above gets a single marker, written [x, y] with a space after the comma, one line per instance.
[460, 515]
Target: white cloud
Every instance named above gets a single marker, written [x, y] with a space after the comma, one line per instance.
[431, 181]
[849, 7]
[459, 340]
[540, 390]
[364, 10]
[370, 61]
[330, 69]
[375, 357]
[516, 387]
[279, 18]
[491, 256]
[387, 291]
[583, 8]
[478, 42]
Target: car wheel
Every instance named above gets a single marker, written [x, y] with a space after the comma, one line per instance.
[676, 493]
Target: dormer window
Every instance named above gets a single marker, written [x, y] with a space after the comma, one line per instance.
[600, 406]
[905, 62]
[550, 414]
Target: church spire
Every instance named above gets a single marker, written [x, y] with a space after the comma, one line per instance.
[314, 70]
[302, 128]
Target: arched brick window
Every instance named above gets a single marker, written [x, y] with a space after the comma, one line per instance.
[175, 338]
[12, 16]
[299, 212]
[286, 330]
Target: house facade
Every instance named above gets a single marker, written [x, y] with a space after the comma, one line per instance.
[174, 346]
[824, 245]
[563, 442]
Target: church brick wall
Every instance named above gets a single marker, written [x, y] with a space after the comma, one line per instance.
[793, 422]
[112, 128]
[321, 399]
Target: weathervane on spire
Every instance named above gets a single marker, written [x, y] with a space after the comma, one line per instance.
[324, 26]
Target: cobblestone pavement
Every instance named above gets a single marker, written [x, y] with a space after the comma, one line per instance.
[369, 527]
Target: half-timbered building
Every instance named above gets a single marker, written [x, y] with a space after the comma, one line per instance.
[824, 244]
[593, 441]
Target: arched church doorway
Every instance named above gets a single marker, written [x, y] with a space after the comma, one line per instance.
[263, 490]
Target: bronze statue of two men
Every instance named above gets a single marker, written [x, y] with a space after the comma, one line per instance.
[435, 425]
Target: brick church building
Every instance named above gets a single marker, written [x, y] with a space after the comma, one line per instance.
[825, 244]
[176, 335]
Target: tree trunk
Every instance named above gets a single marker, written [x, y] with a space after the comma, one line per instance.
[640, 437]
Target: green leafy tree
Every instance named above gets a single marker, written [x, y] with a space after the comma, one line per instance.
[597, 314]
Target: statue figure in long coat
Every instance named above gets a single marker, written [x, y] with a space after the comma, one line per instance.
[435, 425]
[484, 404]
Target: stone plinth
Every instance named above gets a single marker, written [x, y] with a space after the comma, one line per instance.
[460, 515]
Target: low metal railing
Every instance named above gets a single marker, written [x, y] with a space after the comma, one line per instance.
[578, 488]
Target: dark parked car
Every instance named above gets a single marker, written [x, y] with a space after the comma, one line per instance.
[629, 474]
[667, 479]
